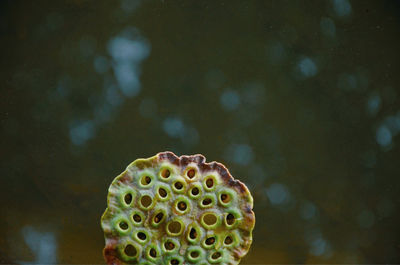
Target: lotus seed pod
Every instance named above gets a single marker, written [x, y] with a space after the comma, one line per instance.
[177, 210]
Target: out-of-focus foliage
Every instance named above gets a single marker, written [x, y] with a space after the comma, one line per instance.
[300, 99]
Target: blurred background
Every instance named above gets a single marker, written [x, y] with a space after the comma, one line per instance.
[299, 99]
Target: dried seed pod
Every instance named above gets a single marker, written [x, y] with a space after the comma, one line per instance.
[177, 210]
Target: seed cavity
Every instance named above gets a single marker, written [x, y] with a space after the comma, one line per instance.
[210, 241]
[123, 225]
[137, 218]
[128, 198]
[153, 253]
[142, 236]
[195, 191]
[225, 198]
[146, 201]
[216, 255]
[230, 219]
[191, 173]
[174, 262]
[228, 240]
[182, 206]
[174, 227]
[169, 245]
[206, 201]
[146, 180]
[165, 173]
[158, 217]
[178, 185]
[210, 219]
[162, 192]
[130, 250]
[193, 233]
[194, 254]
[209, 183]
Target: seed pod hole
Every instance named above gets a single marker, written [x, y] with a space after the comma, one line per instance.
[146, 201]
[158, 218]
[174, 262]
[206, 201]
[209, 183]
[209, 241]
[193, 233]
[137, 218]
[169, 245]
[142, 236]
[178, 185]
[228, 240]
[216, 255]
[191, 173]
[165, 173]
[225, 198]
[128, 198]
[230, 219]
[123, 225]
[146, 180]
[153, 253]
[130, 250]
[194, 254]
[182, 206]
[210, 219]
[195, 191]
[174, 227]
[162, 192]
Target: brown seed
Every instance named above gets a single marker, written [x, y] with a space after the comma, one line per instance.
[193, 233]
[210, 182]
[230, 219]
[195, 191]
[191, 173]
[128, 198]
[141, 236]
[207, 201]
[130, 250]
[123, 225]
[165, 173]
[158, 217]
[210, 240]
[225, 198]
[162, 192]
[137, 218]
[145, 180]
[146, 201]
[174, 227]
[216, 255]
[178, 185]
[169, 245]
[182, 206]
[228, 240]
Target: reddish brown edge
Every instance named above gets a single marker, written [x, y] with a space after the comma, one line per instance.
[204, 167]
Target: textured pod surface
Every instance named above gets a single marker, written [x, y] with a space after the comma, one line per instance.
[177, 210]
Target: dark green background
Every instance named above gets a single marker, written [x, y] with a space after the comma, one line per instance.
[299, 99]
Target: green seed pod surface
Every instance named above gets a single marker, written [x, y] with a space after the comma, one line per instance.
[177, 210]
